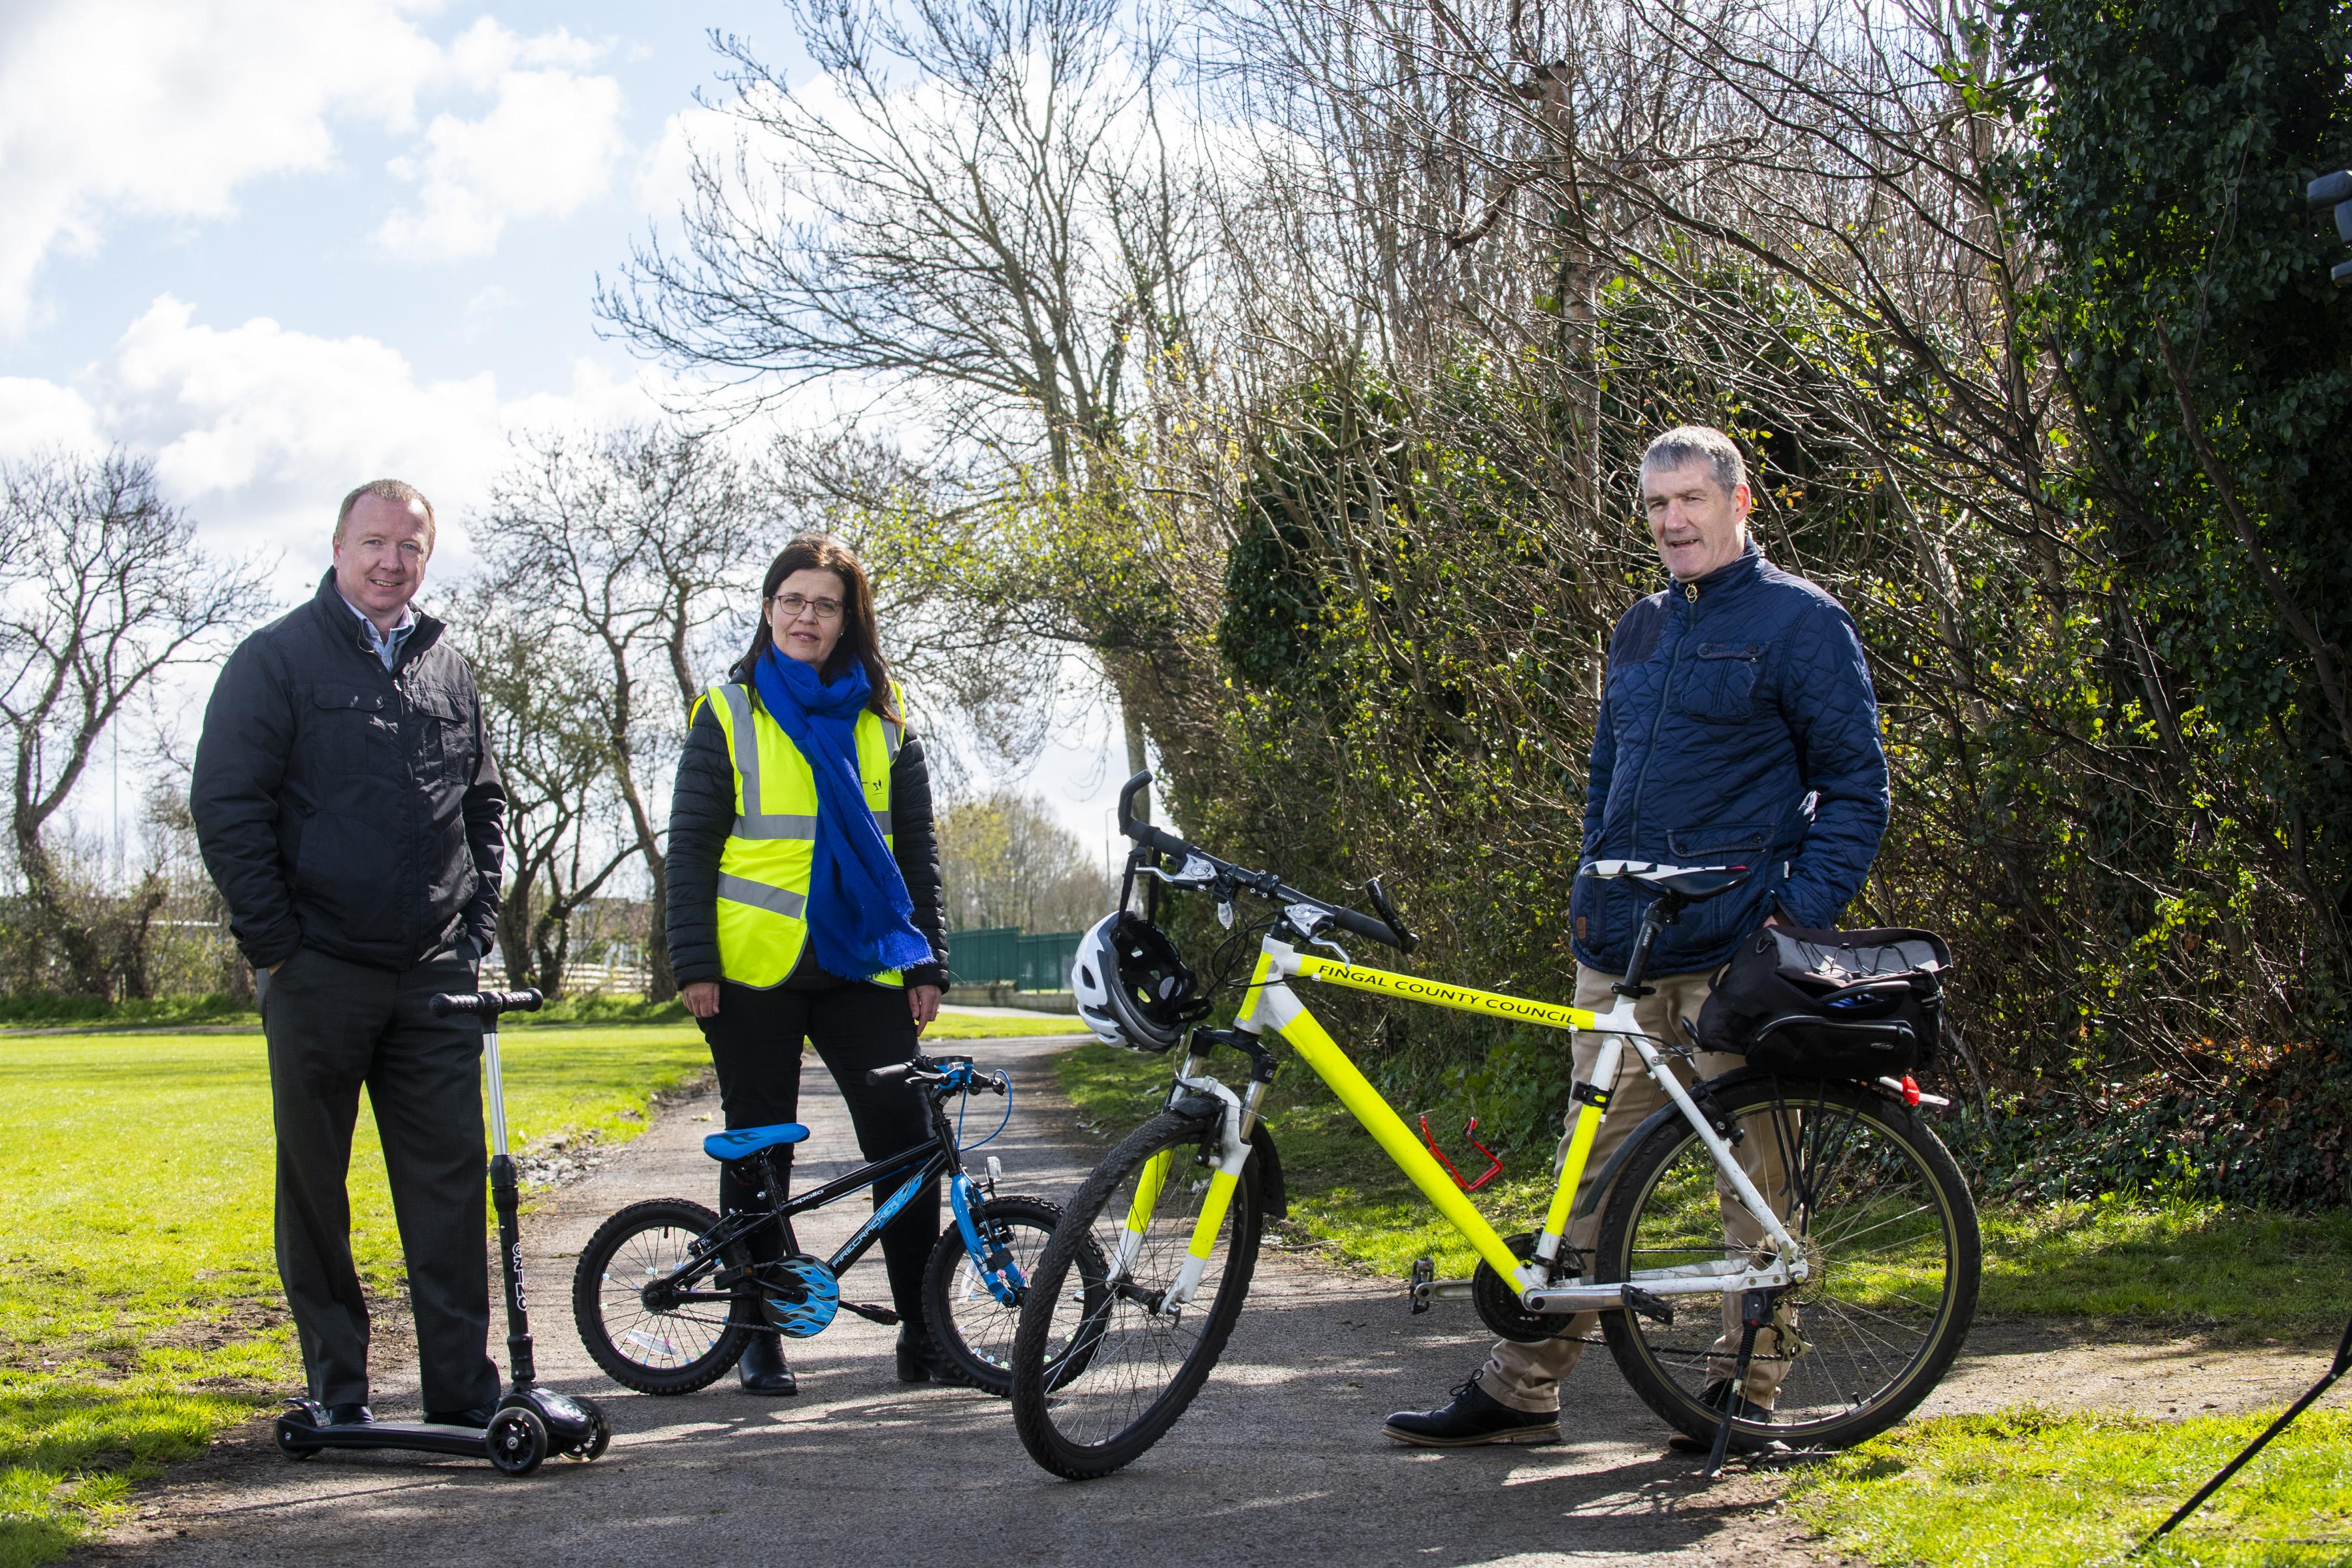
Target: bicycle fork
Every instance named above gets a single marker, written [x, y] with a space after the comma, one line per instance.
[1232, 1155]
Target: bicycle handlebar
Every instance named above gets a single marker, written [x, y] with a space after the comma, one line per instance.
[1391, 931]
[485, 1004]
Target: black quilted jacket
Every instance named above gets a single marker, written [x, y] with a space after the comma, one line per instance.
[701, 812]
[1728, 700]
[344, 808]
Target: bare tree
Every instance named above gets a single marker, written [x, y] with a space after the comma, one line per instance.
[567, 833]
[625, 544]
[977, 202]
[1007, 862]
[102, 589]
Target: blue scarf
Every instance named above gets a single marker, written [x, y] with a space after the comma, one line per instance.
[859, 916]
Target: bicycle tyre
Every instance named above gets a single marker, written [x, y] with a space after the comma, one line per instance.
[972, 1328]
[639, 1346]
[1890, 1236]
[1100, 1410]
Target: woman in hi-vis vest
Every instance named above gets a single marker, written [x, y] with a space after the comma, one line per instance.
[804, 901]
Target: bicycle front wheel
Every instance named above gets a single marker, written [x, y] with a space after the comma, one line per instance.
[1131, 1353]
[1890, 1242]
[624, 1300]
[973, 1328]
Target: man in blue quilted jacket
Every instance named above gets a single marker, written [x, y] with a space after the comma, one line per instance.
[1731, 696]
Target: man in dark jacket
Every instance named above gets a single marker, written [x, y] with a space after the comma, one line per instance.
[351, 813]
[1730, 697]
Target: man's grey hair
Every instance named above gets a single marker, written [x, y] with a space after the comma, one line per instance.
[398, 493]
[1687, 443]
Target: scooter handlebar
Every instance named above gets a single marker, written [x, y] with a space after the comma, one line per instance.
[487, 1004]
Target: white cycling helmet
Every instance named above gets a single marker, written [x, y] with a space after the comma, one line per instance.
[1132, 987]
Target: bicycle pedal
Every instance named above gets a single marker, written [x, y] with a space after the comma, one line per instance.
[882, 1315]
[1654, 1308]
[1418, 1284]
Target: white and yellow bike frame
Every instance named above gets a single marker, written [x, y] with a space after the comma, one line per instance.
[1273, 1004]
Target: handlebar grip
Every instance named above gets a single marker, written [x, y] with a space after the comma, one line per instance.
[1366, 926]
[485, 1004]
[1158, 838]
[898, 1072]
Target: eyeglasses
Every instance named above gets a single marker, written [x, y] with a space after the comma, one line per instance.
[794, 605]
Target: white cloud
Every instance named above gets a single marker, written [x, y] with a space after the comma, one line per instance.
[258, 429]
[547, 147]
[116, 108]
[165, 107]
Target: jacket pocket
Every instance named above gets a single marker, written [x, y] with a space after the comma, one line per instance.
[1720, 682]
[445, 741]
[347, 733]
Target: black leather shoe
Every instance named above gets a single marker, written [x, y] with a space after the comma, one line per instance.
[920, 1359]
[475, 1415]
[350, 1415]
[1713, 1396]
[762, 1368]
[1474, 1416]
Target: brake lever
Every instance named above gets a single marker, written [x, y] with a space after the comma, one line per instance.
[1312, 922]
[1193, 875]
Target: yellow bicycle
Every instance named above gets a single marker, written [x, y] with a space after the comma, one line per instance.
[1807, 1241]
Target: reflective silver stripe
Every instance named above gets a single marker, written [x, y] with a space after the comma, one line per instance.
[893, 736]
[882, 822]
[760, 895]
[747, 744]
[777, 824]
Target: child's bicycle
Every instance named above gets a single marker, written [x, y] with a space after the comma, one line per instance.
[655, 1288]
[1837, 1297]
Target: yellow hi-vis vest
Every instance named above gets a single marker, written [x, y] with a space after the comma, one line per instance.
[763, 872]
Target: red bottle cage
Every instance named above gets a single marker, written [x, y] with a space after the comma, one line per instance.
[1494, 1165]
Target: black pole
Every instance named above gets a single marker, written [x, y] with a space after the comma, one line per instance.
[2343, 1363]
[502, 1193]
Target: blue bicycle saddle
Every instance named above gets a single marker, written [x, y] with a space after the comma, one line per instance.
[747, 1141]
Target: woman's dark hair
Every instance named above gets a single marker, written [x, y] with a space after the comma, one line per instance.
[859, 638]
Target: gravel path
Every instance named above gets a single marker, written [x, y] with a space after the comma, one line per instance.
[1281, 1460]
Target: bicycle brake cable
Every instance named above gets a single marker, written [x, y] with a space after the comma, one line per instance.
[1003, 1123]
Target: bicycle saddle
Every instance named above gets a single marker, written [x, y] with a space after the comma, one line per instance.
[1692, 884]
[744, 1141]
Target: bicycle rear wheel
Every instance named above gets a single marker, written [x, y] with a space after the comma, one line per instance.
[1132, 1363]
[624, 1300]
[1889, 1237]
[974, 1329]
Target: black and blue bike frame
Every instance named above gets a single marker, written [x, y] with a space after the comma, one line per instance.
[936, 1078]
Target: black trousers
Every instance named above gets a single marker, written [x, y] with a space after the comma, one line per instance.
[333, 1026]
[755, 1042]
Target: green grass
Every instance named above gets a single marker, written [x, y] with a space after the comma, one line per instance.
[2027, 1489]
[2159, 1262]
[139, 1299]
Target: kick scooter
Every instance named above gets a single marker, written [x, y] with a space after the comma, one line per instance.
[530, 1422]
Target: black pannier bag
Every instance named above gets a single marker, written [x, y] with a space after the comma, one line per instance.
[1829, 1004]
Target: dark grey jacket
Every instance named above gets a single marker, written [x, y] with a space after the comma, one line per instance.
[346, 807]
[702, 813]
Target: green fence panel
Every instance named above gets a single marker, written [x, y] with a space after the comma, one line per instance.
[1005, 955]
[988, 956]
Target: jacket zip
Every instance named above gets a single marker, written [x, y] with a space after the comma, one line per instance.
[1641, 781]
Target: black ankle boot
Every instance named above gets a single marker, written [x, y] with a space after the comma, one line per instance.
[762, 1368]
[920, 1359]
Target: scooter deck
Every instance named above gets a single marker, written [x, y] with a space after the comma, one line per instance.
[465, 1442]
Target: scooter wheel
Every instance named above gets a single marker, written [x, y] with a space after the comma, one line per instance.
[517, 1439]
[600, 1430]
[292, 1447]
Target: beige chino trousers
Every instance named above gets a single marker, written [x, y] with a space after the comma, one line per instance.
[1527, 1376]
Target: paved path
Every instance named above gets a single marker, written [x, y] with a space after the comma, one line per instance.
[1280, 1461]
